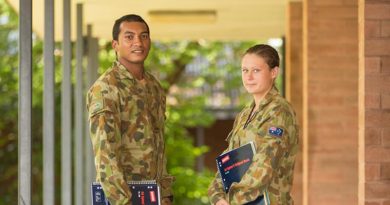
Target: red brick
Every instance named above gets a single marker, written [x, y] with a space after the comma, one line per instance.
[385, 171]
[377, 1]
[372, 29]
[377, 83]
[377, 190]
[386, 137]
[372, 172]
[345, 28]
[377, 11]
[385, 101]
[373, 118]
[372, 136]
[386, 202]
[372, 203]
[375, 47]
[377, 154]
[334, 2]
[320, 49]
[385, 83]
[377, 119]
[385, 28]
[337, 142]
[372, 101]
[325, 75]
[327, 101]
[295, 11]
[349, 2]
[334, 171]
[372, 65]
[334, 12]
[372, 84]
[338, 63]
[386, 118]
[385, 65]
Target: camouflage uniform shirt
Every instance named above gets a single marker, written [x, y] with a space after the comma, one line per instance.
[274, 130]
[127, 125]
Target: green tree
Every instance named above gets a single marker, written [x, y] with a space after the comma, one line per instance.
[8, 103]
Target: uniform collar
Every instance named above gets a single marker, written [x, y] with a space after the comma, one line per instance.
[127, 73]
[267, 99]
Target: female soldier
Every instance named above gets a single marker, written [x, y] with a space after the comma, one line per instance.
[269, 121]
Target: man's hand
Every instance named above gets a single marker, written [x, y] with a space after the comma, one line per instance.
[222, 202]
[166, 201]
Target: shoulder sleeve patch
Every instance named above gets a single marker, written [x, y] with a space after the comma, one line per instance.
[275, 131]
[96, 106]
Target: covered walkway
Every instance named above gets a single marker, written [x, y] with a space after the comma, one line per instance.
[337, 60]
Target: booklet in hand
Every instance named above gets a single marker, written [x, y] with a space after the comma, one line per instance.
[233, 164]
[143, 193]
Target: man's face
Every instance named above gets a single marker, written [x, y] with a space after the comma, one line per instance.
[257, 76]
[133, 44]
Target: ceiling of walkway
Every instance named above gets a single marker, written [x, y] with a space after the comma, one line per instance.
[176, 19]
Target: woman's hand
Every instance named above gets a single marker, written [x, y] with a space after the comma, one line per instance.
[222, 202]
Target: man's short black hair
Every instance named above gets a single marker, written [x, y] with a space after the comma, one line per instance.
[127, 18]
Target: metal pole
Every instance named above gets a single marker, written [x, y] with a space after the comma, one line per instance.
[25, 102]
[48, 106]
[95, 59]
[89, 165]
[79, 117]
[66, 109]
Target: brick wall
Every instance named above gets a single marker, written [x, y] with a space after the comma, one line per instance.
[377, 102]
[330, 104]
[294, 83]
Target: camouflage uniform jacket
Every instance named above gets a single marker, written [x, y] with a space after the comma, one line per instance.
[274, 130]
[127, 125]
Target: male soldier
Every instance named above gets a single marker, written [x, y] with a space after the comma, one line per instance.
[126, 108]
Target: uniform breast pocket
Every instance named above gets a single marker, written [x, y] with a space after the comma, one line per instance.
[261, 121]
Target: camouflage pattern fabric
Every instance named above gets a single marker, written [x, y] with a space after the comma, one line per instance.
[273, 128]
[127, 125]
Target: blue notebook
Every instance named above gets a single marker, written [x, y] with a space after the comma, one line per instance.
[233, 164]
[143, 193]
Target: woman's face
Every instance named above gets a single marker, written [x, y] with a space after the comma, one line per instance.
[257, 76]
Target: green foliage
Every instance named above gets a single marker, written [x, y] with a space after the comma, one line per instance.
[8, 104]
[190, 186]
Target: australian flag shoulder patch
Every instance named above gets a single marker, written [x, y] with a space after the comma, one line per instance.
[275, 131]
